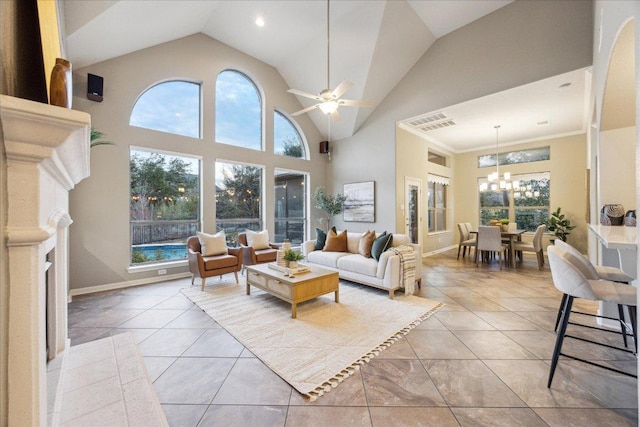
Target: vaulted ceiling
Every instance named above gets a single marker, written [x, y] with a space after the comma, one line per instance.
[373, 43]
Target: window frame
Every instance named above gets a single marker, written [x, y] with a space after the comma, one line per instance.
[433, 211]
[261, 221]
[511, 208]
[165, 81]
[261, 104]
[153, 264]
[305, 197]
[296, 128]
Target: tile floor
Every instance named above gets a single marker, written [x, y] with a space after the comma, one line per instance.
[482, 360]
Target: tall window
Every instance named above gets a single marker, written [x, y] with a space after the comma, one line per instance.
[165, 205]
[290, 209]
[286, 138]
[527, 203]
[437, 206]
[238, 199]
[238, 111]
[172, 107]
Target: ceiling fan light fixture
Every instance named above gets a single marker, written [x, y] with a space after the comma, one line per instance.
[328, 107]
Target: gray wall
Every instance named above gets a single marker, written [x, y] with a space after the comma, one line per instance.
[99, 206]
[523, 42]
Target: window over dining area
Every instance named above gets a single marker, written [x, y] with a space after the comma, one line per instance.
[526, 203]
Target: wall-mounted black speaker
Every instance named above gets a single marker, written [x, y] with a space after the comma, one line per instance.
[324, 147]
[94, 87]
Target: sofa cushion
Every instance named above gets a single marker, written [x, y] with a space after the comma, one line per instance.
[400, 239]
[381, 244]
[266, 255]
[353, 240]
[219, 261]
[212, 244]
[356, 263]
[258, 240]
[327, 259]
[321, 238]
[366, 242]
[336, 242]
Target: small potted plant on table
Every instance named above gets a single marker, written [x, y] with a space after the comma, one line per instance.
[292, 257]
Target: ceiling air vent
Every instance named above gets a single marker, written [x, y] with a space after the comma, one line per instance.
[436, 126]
[427, 119]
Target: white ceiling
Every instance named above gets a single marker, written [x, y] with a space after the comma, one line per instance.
[374, 43]
[526, 113]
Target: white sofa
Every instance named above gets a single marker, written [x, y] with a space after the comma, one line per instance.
[383, 274]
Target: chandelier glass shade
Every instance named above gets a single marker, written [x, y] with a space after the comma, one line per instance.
[495, 182]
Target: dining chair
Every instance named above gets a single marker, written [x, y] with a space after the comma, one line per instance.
[569, 280]
[489, 240]
[534, 246]
[595, 272]
[465, 240]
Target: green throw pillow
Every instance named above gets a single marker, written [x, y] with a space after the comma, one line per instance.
[321, 239]
[381, 244]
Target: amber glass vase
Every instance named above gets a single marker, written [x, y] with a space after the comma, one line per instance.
[61, 88]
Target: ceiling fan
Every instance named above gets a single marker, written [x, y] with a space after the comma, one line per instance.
[330, 99]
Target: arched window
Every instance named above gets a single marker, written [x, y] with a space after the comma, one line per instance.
[172, 107]
[238, 111]
[286, 138]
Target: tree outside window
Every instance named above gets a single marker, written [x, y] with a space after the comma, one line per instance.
[165, 205]
[238, 199]
[527, 204]
[286, 138]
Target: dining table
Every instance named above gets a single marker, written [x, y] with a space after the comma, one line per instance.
[513, 235]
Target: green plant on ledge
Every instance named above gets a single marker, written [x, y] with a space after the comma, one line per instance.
[559, 225]
[96, 138]
[291, 255]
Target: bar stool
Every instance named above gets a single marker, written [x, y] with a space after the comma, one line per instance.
[569, 280]
[596, 272]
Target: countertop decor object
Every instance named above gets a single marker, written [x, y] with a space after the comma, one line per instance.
[612, 214]
[630, 218]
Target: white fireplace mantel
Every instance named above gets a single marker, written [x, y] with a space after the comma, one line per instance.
[47, 154]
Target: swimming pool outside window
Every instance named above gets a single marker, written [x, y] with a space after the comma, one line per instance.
[164, 205]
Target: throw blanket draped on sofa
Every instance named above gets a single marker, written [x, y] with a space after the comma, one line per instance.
[407, 267]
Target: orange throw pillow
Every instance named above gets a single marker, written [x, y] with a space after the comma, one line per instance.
[366, 242]
[336, 242]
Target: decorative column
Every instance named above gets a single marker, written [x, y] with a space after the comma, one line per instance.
[47, 150]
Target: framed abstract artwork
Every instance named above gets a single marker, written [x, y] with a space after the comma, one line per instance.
[360, 203]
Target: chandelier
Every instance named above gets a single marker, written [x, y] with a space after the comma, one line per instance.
[494, 181]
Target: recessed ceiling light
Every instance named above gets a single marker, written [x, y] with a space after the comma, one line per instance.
[260, 21]
[564, 85]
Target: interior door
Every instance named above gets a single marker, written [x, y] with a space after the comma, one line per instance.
[412, 212]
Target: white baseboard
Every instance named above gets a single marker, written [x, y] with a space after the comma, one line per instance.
[127, 284]
[438, 251]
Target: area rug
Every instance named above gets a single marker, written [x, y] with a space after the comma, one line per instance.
[327, 342]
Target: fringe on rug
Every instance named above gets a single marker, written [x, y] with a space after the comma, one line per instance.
[333, 382]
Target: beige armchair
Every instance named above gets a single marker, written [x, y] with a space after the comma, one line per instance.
[217, 265]
[253, 256]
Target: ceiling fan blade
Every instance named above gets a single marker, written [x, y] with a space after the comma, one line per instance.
[306, 110]
[335, 116]
[305, 94]
[354, 103]
[341, 89]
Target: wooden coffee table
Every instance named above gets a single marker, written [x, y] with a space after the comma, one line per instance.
[294, 290]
